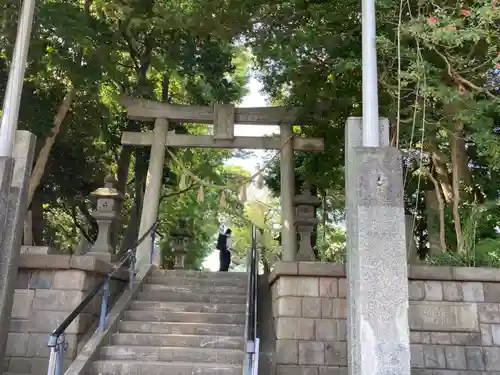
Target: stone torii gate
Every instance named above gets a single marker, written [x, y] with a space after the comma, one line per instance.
[223, 117]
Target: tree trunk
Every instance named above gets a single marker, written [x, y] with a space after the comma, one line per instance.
[43, 155]
[123, 167]
[455, 167]
[459, 151]
[28, 229]
[132, 232]
[37, 221]
[441, 206]
[442, 174]
[459, 169]
[122, 181]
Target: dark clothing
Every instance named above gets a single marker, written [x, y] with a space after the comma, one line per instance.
[223, 244]
[225, 260]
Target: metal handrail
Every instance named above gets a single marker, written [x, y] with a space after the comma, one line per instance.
[57, 342]
[252, 347]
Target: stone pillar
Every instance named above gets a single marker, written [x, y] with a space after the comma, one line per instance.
[287, 168]
[376, 256]
[305, 220]
[153, 190]
[14, 178]
[106, 216]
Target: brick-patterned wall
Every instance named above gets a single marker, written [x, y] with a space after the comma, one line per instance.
[48, 288]
[454, 320]
[310, 314]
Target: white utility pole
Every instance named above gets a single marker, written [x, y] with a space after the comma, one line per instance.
[12, 100]
[371, 135]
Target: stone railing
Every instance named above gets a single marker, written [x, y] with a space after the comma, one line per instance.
[454, 319]
[48, 288]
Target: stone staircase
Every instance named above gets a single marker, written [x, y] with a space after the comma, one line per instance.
[181, 323]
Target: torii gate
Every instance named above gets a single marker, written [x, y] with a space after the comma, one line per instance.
[223, 117]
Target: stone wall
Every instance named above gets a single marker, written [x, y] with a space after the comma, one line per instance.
[48, 288]
[454, 319]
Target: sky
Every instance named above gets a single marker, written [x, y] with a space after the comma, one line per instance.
[255, 98]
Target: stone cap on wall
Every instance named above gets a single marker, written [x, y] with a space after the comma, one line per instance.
[415, 272]
[86, 263]
[321, 269]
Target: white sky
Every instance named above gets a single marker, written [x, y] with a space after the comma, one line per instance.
[255, 98]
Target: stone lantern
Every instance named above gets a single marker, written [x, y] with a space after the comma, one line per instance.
[305, 220]
[107, 202]
[179, 243]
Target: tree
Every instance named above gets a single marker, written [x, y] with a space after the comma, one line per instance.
[438, 87]
[264, 215]
[85, 55]
[203, 216]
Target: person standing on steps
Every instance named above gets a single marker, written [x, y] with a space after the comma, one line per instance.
[224, 247]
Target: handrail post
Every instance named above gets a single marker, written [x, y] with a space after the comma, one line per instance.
[152, 248]
[53, 355]
[131, 269]
[104, 306]
[256, 357]
[251, 318]
[60, 349]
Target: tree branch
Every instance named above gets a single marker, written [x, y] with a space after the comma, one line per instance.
[459, 79]
[191, 187]
[78, 225]
[128, 42]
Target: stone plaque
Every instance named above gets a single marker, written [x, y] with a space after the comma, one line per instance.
[443, 316]
[224, 121]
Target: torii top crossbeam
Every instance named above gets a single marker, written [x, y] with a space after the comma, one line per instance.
[148, 110]
[224, 117]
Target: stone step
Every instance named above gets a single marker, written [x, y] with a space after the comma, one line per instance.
[199, 341]
[181, 328]
[190, 317]
[199, 274]
[173, 354]
[196, 281]
[115, 367]
[188, 307]
[168, 296]
[202, 289]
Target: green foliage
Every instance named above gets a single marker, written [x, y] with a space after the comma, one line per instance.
[331, 243]
[158, 50]
[438, 81]
[438, 66]
[481, 249]
[486, 253]
[265, 216]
